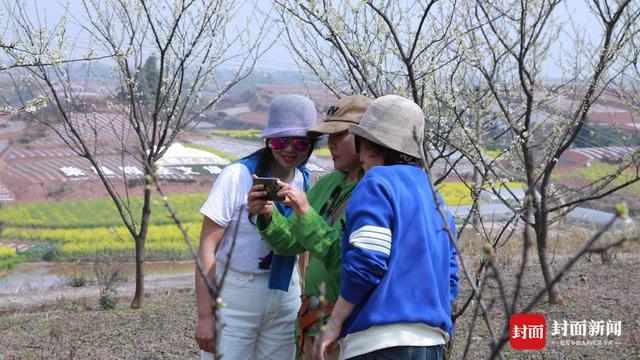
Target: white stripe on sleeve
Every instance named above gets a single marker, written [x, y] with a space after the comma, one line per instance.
[371, 237]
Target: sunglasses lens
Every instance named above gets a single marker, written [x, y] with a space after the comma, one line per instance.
[278, 143]
[301, 144]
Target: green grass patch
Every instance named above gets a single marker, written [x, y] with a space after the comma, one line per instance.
[89, 244]
[599, 171]
[93, 213]
[455, 193]
[459, 193]
[7, 252]
[493, 153]
[248, 134]
[88, 230]
[222, 154]
[595, 172]
[8, 258]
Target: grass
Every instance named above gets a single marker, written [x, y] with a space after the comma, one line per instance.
[459, 193]
[493, 153]
[8, 258]
[163, 242]
[90, 229]
[222, 154]
[597, 171]
[248, 134]
[7, 252]
[455, 193]
[72, 214]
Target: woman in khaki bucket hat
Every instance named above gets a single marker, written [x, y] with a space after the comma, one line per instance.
[399, 268]
[318, 222]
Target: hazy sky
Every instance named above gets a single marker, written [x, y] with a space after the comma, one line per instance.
[277, 57]
[572, 12]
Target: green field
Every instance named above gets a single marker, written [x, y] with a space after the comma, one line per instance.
[91, 230]
[96, 212]
[248, 134]
[89, 244]
[459, 193]
[597, 171]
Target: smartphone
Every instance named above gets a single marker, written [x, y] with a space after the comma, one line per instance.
[271, 186]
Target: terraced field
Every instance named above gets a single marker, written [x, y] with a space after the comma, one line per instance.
[91, 230]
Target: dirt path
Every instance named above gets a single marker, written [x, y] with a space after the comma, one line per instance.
[74, 327]
[39, 300]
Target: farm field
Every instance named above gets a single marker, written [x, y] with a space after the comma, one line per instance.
[579, 176]
[95, 212]
[459, 193]
[91, 230]
[248, 134]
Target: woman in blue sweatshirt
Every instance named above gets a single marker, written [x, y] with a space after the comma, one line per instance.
[399, 268]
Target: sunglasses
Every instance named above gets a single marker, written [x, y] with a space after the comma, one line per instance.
[279, 143]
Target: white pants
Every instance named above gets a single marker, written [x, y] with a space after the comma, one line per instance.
[258, 322]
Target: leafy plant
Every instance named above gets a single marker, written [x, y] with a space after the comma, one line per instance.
[78, 280]
[108, 294]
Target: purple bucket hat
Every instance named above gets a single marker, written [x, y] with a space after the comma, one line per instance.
[290, 115]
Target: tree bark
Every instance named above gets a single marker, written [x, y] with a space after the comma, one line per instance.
[553, 290]
[477, 189]
[138, 297]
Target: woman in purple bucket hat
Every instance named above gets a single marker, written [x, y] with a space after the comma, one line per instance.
[261, 289]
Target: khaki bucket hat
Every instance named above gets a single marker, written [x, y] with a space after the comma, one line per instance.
[394, 122]
[348, 110]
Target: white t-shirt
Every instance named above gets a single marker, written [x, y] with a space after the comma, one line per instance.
[228, 193]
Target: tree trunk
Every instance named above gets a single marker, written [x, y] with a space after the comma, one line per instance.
[138, 298]
[477, 189]
[553, 291]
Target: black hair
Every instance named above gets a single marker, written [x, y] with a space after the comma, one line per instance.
[390, 156]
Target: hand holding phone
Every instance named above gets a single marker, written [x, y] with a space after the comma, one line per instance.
[270, 186]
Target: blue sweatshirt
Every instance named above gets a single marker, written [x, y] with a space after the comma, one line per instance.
[398, 265]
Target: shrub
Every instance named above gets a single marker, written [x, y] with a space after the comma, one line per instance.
[108, 294]
[8, 257]
[7, 252]
[78, 280]
[108, 299]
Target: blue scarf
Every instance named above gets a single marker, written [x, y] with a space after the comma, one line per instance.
[281, 266]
